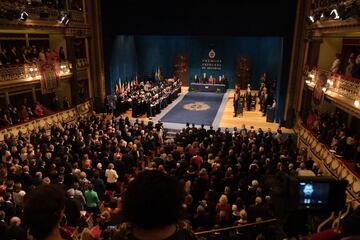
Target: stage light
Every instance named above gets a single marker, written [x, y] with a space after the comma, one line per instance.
[334, 14]
[23, 16]
[357, 103]
[312, 19]
[324, 89]
[330, 82]
[64, 19]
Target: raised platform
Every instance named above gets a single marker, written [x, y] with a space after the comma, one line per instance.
[202, 87]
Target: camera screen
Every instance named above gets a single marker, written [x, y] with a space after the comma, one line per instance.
[313, 193]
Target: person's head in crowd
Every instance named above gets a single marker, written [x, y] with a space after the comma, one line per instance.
[43, 211]
[223, 200]
[153, 200]
[15, 221]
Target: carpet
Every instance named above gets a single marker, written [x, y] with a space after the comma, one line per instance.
[195, 107]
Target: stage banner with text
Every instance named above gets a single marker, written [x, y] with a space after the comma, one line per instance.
[212, 63]
[49, 78]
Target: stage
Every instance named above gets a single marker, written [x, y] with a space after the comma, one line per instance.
[214, 109]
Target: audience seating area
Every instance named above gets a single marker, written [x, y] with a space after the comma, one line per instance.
[226, 175]
[329, 129]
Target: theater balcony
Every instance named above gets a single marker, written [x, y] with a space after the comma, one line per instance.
[331, 163]
[332, 17]
[27, 74]
[40, 14]
[343, 91]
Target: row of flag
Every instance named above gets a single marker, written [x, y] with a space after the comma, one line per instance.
[123, 86]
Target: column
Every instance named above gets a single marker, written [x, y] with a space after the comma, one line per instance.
[90, 79]
[7, 98]
[34, 94]
[96, 46]
[74, 82]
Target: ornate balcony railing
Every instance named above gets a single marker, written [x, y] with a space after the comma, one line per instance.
[82, 62]
[30, 71]
[46, 122]
[330, 164]
[335, 84]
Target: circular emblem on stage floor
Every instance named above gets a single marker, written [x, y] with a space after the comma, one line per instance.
[196, 106]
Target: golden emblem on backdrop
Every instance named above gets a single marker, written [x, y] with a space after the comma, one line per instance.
[196, 106]
[212, 54]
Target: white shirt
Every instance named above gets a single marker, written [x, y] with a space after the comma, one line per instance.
[111, 176]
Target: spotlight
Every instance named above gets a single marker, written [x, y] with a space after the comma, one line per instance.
[64, 19]
[312, 19]
[357, 103]
[334, 14]
[23, 16]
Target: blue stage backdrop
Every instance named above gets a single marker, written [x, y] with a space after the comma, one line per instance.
[129, 55]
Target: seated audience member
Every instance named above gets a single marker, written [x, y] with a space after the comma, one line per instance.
[15, 230]
[24, 114]
[336, 64]
[66, 103]
[44, 209]
[355, 72]
[152, 207]
[3, 225]
[39, 111]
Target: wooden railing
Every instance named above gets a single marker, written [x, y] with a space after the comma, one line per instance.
[82, 62]
[30, 71]
[46, 122]
[343, 85]
[329, 163]
[234, 228]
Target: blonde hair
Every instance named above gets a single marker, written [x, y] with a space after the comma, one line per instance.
[86, 234]
[243, 214]
[223, 199]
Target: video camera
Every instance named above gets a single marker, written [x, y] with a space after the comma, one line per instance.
[317, 194]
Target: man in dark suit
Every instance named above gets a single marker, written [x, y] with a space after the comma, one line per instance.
[8, 207]
[205, 80]
[196, 79]
[15, 231]
[3, 224]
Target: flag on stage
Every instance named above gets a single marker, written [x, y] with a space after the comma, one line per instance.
[118, 86]
[157, 74]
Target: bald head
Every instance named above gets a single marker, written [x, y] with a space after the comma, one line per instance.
[15, 221]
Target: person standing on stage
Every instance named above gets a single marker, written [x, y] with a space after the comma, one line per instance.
[236, 101]
[265, 101]
[248, 97]
[222, 79]
[196, 79]
[261, 95]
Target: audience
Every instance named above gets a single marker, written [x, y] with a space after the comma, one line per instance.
[331, 129]
[222, 177]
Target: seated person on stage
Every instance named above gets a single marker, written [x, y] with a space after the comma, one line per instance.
[196, 79]
[211, 79]
[222, 79]
[205, 79]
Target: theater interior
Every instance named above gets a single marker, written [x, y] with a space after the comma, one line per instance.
[179, 119]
